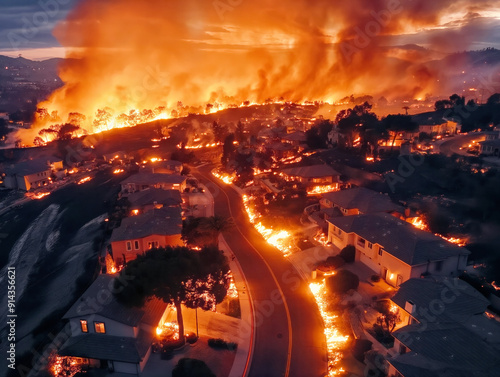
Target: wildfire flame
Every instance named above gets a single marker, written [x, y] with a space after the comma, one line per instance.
[280, 239]
[335, 341]
[418, 222]
[317, 190]
[224, 177]
[84, 180]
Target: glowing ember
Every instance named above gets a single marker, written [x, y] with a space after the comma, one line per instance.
[84, 180]
[497, 288]
[118, 171]
[280, 239]
[224, 177]
[60, 366]
[321, 238]
[317, 190]
[291, 160]
[370, 159]
[38, 195]
[335, 341]
[168, 330]
[232, 291]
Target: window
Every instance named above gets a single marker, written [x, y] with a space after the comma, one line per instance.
[403, 350]
[380, 251]
[361, 242]
[153, 244]
[99, 327]
[439, 265]
[136, 245]
[129, 245]
[83, 325]
[370, 245]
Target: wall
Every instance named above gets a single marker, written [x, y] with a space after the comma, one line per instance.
[129, 368]
[119, 248]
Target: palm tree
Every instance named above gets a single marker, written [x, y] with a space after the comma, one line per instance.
[216, 225]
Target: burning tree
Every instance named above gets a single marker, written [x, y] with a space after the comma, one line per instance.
[176, 275]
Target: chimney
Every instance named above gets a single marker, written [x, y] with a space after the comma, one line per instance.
[410, 307]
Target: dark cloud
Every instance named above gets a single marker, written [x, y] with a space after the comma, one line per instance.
[28, 24]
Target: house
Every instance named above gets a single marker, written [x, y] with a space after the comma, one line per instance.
[490, 147]
[433, 123]
[142, 181]
[459, 301]
[31, 174]
[312, 175]
[164, 167]
[281, 150]
[110, 335]
[357, 201]
[295, 138]
[395, 249]
[445, 331]
[151, 198]
[138, 234]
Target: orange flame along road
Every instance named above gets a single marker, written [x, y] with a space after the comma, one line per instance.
[418, 222]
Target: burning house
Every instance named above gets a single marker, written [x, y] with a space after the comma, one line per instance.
[110, 335]
[316, 178]
[143, 180]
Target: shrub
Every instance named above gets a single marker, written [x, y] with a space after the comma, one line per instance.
[375, 278]
[348, 253]
[187, 367]
[342, 282]
[222, 344]
[331, 263]
[361, 346]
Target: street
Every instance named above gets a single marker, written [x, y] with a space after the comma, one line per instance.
[288, 329]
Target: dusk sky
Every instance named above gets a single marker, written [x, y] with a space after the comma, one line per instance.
[27, 29]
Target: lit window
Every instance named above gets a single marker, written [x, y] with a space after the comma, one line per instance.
[99, 327]
[83, 325]
[129, 245]
[136, 245]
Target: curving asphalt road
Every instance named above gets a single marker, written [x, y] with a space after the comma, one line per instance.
[288, 329]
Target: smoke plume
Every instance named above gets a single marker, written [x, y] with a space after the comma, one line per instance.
[125, 55]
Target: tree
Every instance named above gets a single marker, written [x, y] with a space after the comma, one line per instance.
[215, 225]
[390, 315]
[66, 131]
[356, 121]
[218, 131]
[342, 282]
[176, 275]
[317, 136]
[228, 149]
[399, 123]
[187, 367]
[240, 132]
